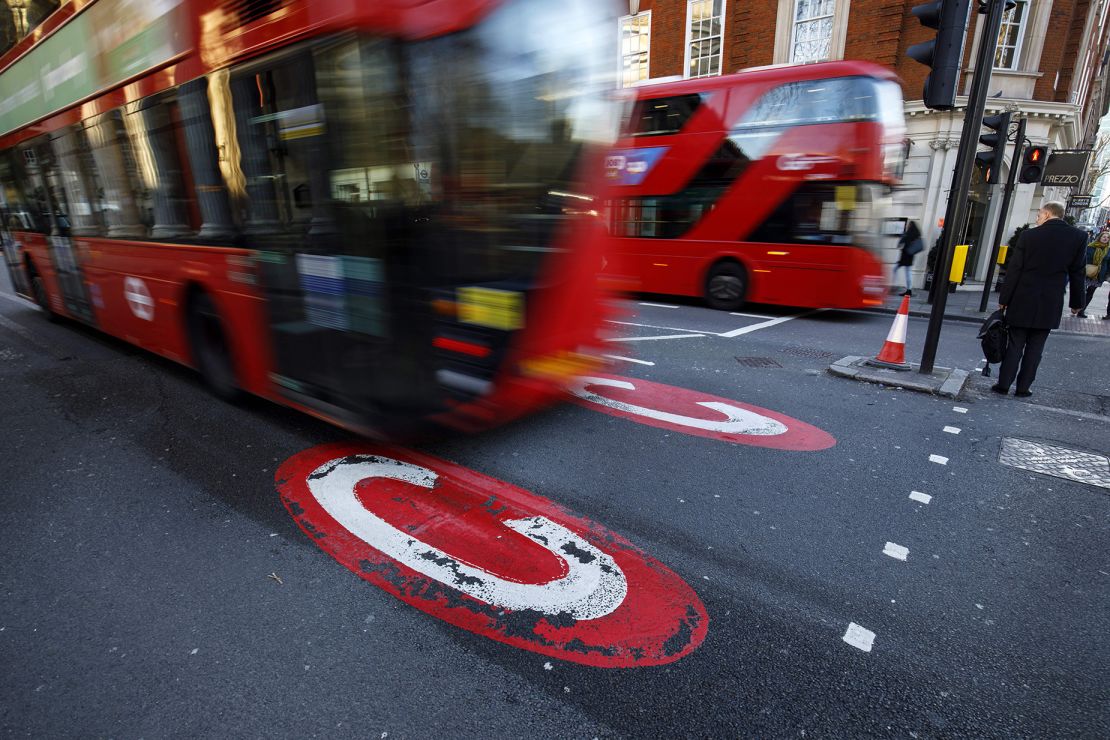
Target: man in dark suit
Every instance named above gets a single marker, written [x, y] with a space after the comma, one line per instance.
[1044, 260]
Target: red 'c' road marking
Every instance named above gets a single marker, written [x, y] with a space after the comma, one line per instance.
[696, 413]
[490, 557]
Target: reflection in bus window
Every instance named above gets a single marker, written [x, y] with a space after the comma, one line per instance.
[816, 101]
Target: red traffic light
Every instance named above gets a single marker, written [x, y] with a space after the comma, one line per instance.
[1035, 155]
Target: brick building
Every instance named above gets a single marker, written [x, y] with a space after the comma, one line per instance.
[1052, 65]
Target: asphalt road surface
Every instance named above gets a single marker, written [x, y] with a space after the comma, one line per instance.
[882, 574]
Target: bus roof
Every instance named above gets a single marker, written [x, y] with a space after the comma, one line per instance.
[771, 73]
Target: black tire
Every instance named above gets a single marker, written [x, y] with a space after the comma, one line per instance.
[211, 352]
[38, 289]
[726, 286]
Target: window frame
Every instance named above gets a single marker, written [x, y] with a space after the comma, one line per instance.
[794, 32]
[689, 41]
[620, 48]
[1015, 60]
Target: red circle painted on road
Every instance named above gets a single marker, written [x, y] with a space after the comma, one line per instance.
[697, 413]
[490, 557]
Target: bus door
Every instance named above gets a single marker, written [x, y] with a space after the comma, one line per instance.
[321, 247]
[52, 204]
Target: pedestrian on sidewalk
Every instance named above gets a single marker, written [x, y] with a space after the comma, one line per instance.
[1098, 262]
[911, 243]
[1044, 260]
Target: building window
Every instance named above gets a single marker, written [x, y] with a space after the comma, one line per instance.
[635, 46]
[1009, 37]
[703, 37]
[811, 38]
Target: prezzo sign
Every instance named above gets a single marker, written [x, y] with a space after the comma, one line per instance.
[696, 413]
[490, 557]
[1065, 168]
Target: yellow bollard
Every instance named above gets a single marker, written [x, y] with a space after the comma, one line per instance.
[1002, 250]
[959, 262]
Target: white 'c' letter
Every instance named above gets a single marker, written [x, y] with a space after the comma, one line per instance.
[739, 421]
[593, 586]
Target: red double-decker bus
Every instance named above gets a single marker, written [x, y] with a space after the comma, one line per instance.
[767, 185]
[374, 212]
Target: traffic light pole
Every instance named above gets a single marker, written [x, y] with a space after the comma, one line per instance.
[961, 178]
[1015, 165]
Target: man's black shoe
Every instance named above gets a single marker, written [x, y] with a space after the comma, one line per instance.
[999, 389]
[1023, 394]
[1081, 315]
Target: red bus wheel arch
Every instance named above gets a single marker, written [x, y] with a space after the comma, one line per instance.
[210, 342]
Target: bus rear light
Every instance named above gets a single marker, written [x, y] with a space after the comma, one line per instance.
[873, 289]
[461, 347]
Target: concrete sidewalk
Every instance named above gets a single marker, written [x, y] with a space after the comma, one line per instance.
[963, 305]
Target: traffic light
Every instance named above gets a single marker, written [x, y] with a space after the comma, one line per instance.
[945, 53]
[991, 160]
[1032, 165]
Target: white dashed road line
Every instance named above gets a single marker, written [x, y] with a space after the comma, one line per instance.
[896, 551]
[920, 497]
[959, 409]
[750, 315]
[629, 359]
[952, 430]
[859, 637]
[658, 305]
[939, 460]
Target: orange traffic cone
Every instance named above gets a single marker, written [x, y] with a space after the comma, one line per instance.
[893, 353]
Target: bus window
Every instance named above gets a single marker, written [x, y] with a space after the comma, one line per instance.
[156, 141]
[659, 116]
[20, 213]
[821, 213]
[815, 101]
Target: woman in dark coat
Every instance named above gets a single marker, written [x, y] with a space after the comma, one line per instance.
[911, 244]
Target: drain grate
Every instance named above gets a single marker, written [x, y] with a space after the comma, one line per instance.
[818, 354]
[757, 362]
[1060, 462]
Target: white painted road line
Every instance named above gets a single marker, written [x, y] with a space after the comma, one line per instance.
[646, 339]
[859, 637]
[652, 326]
[750, 315]
[17, 329]
[16, 300]
[765, 324]
[658, 305]
[920, 497]
[938, 459]
[896, 551]
[959, 409]
[952, 430]
[629, 359]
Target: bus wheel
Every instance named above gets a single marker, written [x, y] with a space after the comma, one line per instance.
[211, 353]
[725, 287]
[38, 289]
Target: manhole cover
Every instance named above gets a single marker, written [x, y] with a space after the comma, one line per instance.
[818, 354]
[757, 362]
[1060, 462]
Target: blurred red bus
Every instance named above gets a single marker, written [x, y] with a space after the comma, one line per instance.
[767, 185]
[372, 212]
